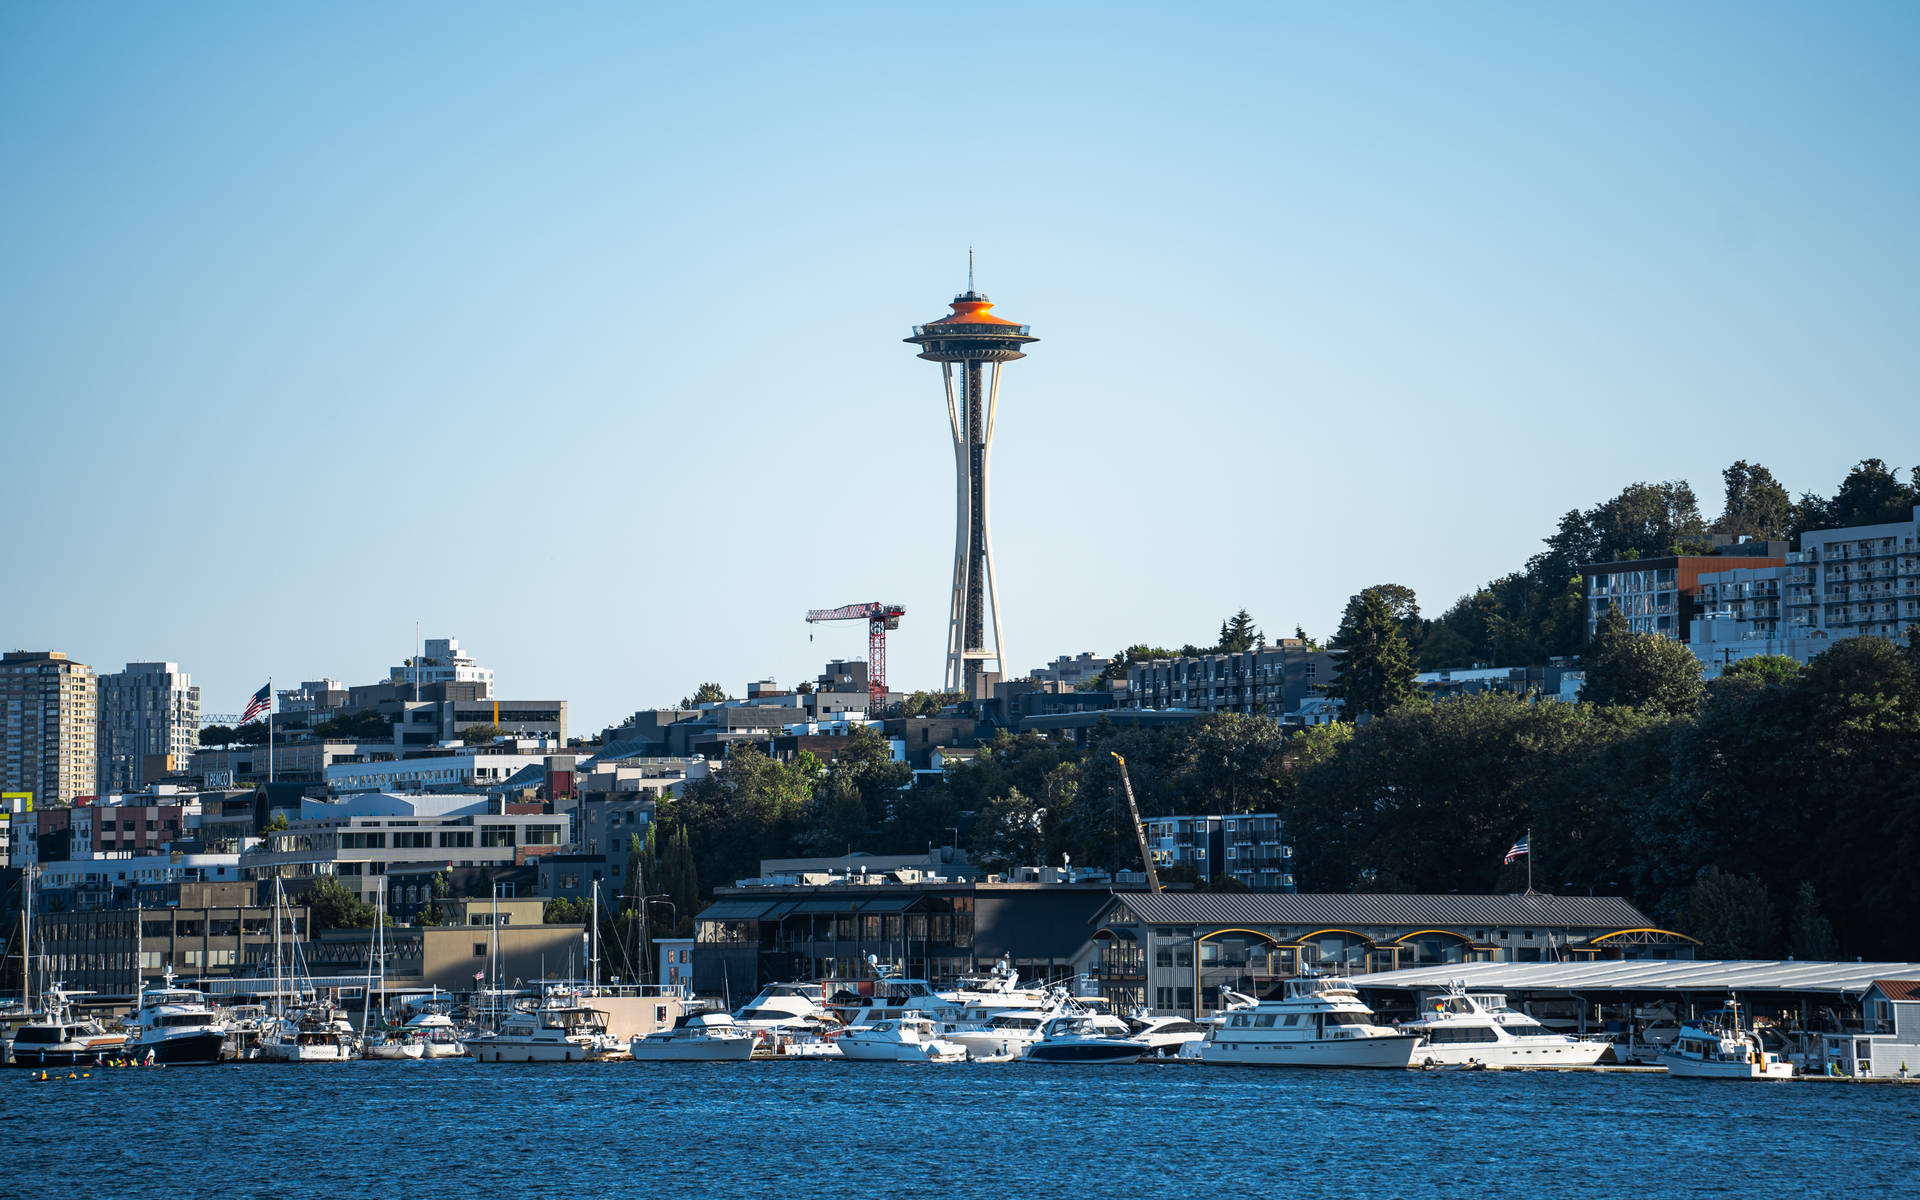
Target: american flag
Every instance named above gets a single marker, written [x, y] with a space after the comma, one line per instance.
[1519, 848]
[261, 702]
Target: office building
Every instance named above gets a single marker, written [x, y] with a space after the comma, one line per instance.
[149, 725]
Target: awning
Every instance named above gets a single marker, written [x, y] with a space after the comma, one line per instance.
[884, 904]
[735, 910]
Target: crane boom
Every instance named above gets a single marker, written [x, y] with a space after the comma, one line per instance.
[1139, 830]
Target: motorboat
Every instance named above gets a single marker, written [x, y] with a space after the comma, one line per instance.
[246, 1025]
[1716, 1046]
[560, 1028]
[315, 1032]
[175, 1026]
[894, 997]
[1166, 1037]
[1463, 1028]
[1318, 1022]
[906, 1038]
[793, 1007]
[1005, 1036]
[61, 1039]
[703, 1037]
[437, 1035]
[395, 1045]
[1090, 1038]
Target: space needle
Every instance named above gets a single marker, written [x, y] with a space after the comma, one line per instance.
[976, 340]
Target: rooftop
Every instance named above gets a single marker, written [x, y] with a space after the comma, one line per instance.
[1651, 975]
[1331, 909]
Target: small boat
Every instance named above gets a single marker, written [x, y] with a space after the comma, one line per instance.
[1166, 1037]
[560, 1028]
[1465, 1028]
[436, 1034]
[703, 1037]
[1716, 1046]
[60, 1039]
[395, 1045]
[1090, 1038]
[906, 1038]
[316, 1032]
[175, 1026]
[1319, 1022]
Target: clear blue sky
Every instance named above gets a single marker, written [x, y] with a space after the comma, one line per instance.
[573, 331]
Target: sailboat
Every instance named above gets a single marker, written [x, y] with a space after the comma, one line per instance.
[389, 1044]
[313, 1030]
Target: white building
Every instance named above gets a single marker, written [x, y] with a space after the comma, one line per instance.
[367, 836]
[1072, 671]
[477, 768]
[1249, 847]
[1841, 583]
[148, 717]
[443, 662]
[1889, 1045]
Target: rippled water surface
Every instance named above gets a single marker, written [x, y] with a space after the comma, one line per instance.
[839, 1130]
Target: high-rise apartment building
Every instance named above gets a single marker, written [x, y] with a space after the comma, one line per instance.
[48, 723]
[149, 725]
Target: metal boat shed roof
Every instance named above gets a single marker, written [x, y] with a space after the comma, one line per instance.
[1368, 908]
[1649, 976]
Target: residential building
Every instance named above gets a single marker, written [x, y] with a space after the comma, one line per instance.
[49, 726]
[1660, 595]
[149, 725]
[1174, 951]
[1073, 670]
[1841, 583]
[315, 697]
[471, 768]
[1249, 848]
[1271, 679]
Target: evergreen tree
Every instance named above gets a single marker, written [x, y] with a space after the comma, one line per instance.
[1373, 670]
[1237, 633]
[1756, 505]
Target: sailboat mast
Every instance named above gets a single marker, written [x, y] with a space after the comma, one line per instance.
[593, 940]
[26, 948]
[373, 938]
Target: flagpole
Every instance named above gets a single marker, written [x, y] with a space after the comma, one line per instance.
[269, 731]
[1529, 860]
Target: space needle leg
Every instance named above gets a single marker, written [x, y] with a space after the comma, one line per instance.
[956, 602]
[986, 526]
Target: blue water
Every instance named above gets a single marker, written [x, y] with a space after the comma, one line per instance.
[987, 1132]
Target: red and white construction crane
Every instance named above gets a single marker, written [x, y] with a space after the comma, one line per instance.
[879, 618]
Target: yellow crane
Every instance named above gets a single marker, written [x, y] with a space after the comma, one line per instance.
[1139, 830]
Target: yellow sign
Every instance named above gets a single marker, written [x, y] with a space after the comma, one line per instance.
[27, 796]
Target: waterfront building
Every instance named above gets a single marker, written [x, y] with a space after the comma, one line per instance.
[49, 726]
[937, 928]
[1249, 848]
[1888, 1044]
[1660, 595]
[148, 725]
[202, 928]
[1271, 679]
[1174, 951]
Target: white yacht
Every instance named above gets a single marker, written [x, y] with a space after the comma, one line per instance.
[793, 1007]
[703, 1037]
[1465, 1028]
[395, 1045]
[1320, 1022]
[905, 1038]
[1717, 1047]
[1167, 1037]
[438, 1036]
[895, 997]
[561, 1028]
[1085, 1038]
[316, 1032]
[175, 1026]
[1005, 1036]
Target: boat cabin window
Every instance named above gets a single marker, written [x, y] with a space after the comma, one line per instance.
[1264, 1021]
[1342, 1018]
[1239, 1021]
[1293, 1019]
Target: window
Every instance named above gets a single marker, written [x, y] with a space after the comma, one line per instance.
[412, 840]
[496, 836]
[363, 841]
[457, 837]
[479, 949]
[543, 835]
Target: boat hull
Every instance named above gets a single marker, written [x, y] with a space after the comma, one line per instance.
[1084, 1053]
[188, 1050]
[1693, 1068]
[1393, 1052]
[716, 1050]
[490, 1051]
[396, 1051]
[1518, 1055]
[858, 1051]
[62, 1055]
[283, 1052]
